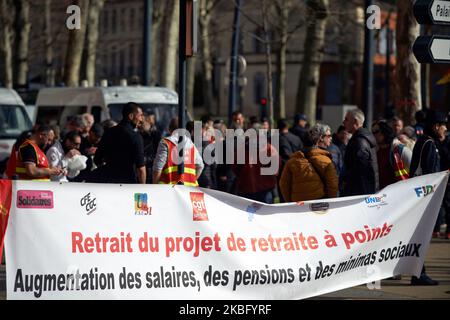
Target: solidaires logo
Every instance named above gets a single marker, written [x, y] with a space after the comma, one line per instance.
[34, 199]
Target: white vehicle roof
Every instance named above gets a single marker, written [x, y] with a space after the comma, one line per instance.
[105, 95]
[9, 96]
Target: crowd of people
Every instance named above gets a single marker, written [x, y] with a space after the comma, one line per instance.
[315, 163]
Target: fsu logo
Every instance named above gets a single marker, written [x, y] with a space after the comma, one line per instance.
[141, 207]
[199, 206]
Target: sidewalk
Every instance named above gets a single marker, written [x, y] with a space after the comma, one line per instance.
[438, 267]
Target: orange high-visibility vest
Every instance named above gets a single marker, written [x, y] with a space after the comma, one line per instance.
[170, 174]
[401, 173]
[42, 162]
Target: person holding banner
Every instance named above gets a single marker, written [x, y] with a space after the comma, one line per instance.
[165, 165]
[120, 154]
[31, 162]
[426, 160]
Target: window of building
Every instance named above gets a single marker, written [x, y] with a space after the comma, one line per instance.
[105, 21]
[132, 53]
[259, 87]
[258, 45]
[113, 62]
[122, 63]
[133, 19]
[114, 21]
[123, 24]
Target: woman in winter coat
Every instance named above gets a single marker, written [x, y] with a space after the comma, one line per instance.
[312, 175]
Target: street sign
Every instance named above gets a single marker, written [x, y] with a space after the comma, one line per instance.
[432, 49]
[433, 12]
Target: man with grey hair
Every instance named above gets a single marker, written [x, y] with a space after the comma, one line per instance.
[360, 161]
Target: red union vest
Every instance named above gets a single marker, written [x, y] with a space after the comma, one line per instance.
[170, 174]
[42, 162]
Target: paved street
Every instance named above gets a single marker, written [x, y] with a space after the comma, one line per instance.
[438, 267]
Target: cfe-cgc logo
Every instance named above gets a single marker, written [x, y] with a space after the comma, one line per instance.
[89, 203]
[424, 191]
[199, 206]
[141, 207]
[34, 199]
[376, 201]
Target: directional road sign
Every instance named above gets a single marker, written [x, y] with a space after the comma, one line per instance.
[432, 49]
[432, 12]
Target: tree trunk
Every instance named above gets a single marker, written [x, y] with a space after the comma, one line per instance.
[49, 67]
[281, 59]
[345, 54]
[95, 8]
[75, 47]
[6, 40]
[170, 48]
[207, 66]
[157, 20]
[269, 64]
[190, 82]
[407, 93]
[23, 28]
[312, 58]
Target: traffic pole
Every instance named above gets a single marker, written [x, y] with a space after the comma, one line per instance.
[148, 21]
[234, 61]
[369, 46]
[182, 62]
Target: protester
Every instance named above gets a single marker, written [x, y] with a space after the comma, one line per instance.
[360, 160]
[289, 142]
[425, 160]
[311, 176]
[250, 182]
[122, 150]
[301, 129]
[94, 138]
[31, 162]
[397, 125]
[59, 155]
[393, 159]
[238, 120]
[151, 137]
[166, 169]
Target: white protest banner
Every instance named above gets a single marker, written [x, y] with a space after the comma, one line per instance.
[91, 241]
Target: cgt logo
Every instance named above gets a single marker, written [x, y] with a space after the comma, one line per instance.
[199, 206]
[424, 191]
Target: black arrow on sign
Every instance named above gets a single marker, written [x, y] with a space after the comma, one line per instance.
[432, 49]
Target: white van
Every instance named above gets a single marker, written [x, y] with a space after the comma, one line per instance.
[14, 120]
[56, 105]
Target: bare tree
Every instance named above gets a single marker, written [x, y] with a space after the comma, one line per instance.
[49, 67]
[170, 47]
[408, 95]
[157, 22]
[75, 47]
[23, 28]
[95, 8]
[318, 11]
[206, 8]
[6, 40]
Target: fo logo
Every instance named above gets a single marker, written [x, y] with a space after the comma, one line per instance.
[199, 206]
[424, 191]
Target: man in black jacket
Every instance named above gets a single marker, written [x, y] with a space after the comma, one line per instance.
[360, 161]
[289, 142]
[426, 160]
